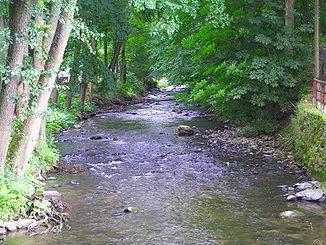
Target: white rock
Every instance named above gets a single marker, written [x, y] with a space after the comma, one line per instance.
[290, 214]
[3, 231]
[11, 226]
[291, 198]
[25, 223]
[47, 195]
[310, 195]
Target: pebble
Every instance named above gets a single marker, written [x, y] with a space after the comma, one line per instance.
[52, 178]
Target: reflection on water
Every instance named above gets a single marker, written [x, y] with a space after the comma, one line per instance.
[186, 194]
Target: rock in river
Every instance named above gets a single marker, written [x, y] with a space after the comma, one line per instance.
[47, 195]
[310, 195]
[307, 185]
[3, 231]
[291, 198]
[291, 214]
[96, 137]
[184, 130]
[132, 210]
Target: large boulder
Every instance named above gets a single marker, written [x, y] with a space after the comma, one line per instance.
[184, 130]
[307, 185]
[312, 195]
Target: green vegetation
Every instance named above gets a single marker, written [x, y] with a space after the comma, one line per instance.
[306, 137]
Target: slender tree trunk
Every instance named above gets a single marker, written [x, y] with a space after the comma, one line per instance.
[55, 93]
[2, 54]
[68, 100]
[90, 92]
[116, 53]
[289, 13]
[123, 75]
[317, 38]
[82, 90]
[55, 9]
[106, 56]
[19, 12]
[32, 125]
[305, 12]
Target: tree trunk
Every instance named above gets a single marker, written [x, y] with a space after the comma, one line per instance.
[55, 93]
[115, 58]
[289, 13]
[2, 54]
[23, 92]
[39, 63]
[68, 100]
[82, 90]
[106, 56]
[317, 38]
[53, 21]
[123, 75]
[32, 125]
[42, 133]
[90, 92]
[19, 12]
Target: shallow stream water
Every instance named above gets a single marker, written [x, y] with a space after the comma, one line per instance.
[186, 193]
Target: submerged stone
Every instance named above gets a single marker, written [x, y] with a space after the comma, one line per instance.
[132, 210]
[96, 137]
[184, 130]
[291, 214]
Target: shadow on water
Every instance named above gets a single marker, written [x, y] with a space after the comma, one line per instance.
[186, 194]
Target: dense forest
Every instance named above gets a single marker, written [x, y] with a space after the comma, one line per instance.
[249, 62]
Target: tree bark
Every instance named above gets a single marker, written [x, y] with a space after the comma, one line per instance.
[68, 100]
[55, 93]
[19, 12]
[82, 90]
[90, 92]
[44, 48]
[106, 56]
[2, 54]
[289, 13]
[116, 53]
[317, 38]
[123, 75]
[32, 125]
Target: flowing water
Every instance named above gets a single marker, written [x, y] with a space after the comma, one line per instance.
[186, 193]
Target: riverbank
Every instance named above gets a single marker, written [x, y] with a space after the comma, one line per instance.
[305, 139]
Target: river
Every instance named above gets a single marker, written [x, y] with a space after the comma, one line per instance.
[186, 194]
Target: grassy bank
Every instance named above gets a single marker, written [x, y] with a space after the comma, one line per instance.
[305, 137]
